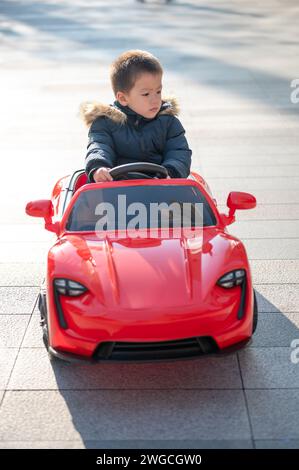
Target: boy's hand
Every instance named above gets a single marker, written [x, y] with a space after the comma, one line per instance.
[102, 174]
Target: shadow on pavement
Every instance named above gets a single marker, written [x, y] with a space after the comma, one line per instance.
[176, 404]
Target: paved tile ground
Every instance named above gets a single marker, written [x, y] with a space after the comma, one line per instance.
[230, 64]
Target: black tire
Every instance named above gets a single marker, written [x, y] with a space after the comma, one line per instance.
[255, 313]
[45, 336]
[52, 358]
[42, 306]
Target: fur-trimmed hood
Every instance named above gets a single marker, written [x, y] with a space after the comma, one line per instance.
[90, 110]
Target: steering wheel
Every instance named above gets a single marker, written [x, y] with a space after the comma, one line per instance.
[140, 170]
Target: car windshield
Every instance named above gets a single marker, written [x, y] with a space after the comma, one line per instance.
[140, 206]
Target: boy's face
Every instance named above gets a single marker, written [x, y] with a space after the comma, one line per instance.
[145, 97]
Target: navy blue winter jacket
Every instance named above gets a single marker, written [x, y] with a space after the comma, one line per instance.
[118, 135]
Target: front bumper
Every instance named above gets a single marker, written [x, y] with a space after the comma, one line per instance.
[74, 358]
[87, 333]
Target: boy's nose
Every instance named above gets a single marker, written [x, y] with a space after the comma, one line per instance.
[155, 102]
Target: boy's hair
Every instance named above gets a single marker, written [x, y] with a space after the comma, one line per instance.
[125, 70]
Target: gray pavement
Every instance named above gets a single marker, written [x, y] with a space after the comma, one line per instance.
[230, 64]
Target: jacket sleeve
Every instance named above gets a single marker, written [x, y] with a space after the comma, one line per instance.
[177, 155]
[100, 148]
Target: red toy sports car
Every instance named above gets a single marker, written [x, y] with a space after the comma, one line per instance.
[110, 295]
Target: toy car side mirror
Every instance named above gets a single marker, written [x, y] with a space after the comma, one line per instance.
[43, 208]
[237, 200]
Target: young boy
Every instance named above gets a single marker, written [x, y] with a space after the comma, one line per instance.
[140, 126]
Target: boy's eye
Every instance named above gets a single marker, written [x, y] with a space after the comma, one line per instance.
[147, 94]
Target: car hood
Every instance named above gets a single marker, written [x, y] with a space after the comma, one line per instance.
[145, 273]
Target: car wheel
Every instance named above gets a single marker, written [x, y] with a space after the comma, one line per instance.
[52, 358]
[43, 319]
[45, 336]
[42, 306]
[255, 312]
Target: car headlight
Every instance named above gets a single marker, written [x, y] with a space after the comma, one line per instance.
[68, 287]
[232, 279]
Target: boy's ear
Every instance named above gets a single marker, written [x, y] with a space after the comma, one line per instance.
[121, 98]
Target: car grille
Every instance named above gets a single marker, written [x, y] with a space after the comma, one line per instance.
[125, 351]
